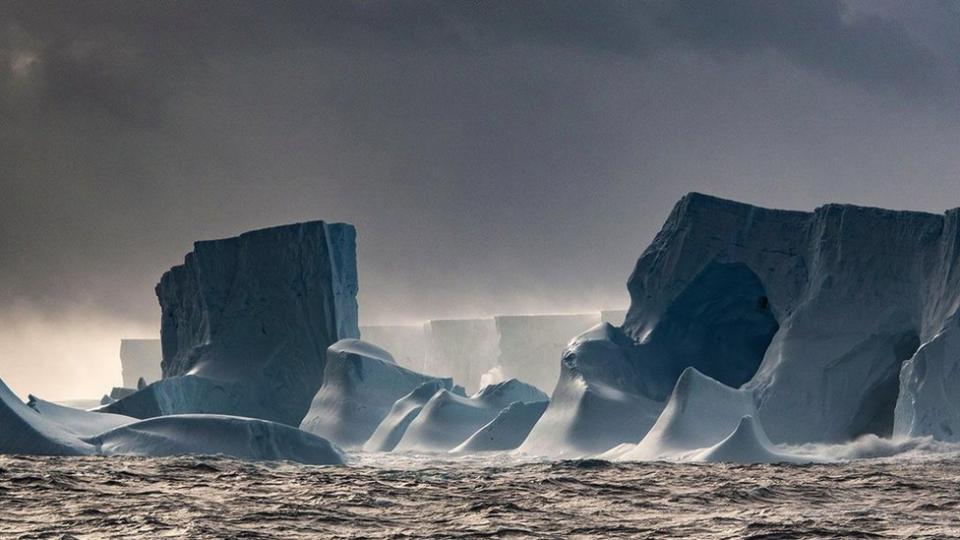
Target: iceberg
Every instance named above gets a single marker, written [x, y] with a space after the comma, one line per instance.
[77, 421]
[507, 430]
[391, 429]
[406, 343]
[529, 346]
[448, 419]
[747, 444]
[854, 292]
[26, 431]
[241, 438]
[600, 401]
[45, 428]
[361, 384]
[929, 386]
[701, 412]
[246, 322]
[612, 387]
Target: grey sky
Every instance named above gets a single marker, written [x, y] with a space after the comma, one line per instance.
[496, 157]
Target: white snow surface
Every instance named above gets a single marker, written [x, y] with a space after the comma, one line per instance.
[929, 388]
[78, 421]
[361, 384]
[855, 292]
[701, 412]
[402, 412]
[507, 430]
[242, 438]
[599, 401]
[49, 429]
[447, 420]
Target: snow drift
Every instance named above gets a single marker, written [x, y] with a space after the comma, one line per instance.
[46, 428]
[242, 438]
[507, 430]
[448, 419]
[391, 429]
[361, 384]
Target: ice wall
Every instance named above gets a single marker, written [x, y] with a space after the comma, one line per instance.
[529, 346]
[250, 318]
[140, 358]
[854, 290]
[463, 349]
[406, 343]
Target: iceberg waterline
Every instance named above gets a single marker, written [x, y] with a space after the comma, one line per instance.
[753, 335]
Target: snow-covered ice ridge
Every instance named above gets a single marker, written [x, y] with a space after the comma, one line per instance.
[246, 322]
[835, 324]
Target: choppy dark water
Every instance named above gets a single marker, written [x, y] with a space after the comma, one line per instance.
[44, 497]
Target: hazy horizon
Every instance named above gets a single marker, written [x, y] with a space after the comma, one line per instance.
[495, 157]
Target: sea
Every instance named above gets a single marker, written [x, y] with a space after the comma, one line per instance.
[385, 496]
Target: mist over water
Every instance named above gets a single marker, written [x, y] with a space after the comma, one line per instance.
[417, 497]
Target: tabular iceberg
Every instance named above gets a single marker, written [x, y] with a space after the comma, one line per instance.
[361, 384]
[854, 290]
[818, 316]
[246, 322]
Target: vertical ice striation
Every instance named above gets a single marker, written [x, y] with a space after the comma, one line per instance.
[855, 291]
[246, 322]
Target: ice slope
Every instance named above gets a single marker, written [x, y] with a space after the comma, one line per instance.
[361, 384]
[23, 430]
[928, 402]
[449, 419]
[46, 428]
[719, 323]
[77, 421]
[242, 438]
[406, 343]
[250, 319]
[507, 430]
[600, 400]
[529, 346]
[462, 349]
[140, 358]
[402, 412]
[747, 444]
[855, 291]
[701, 413]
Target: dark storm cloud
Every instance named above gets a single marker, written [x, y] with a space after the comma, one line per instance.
[124, 57]
[495, 156]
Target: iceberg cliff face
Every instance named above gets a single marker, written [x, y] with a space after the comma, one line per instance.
[255, 314]
[854, 291]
